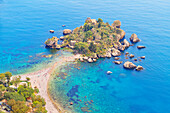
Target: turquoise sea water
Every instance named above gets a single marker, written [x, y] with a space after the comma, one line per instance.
[25, 25]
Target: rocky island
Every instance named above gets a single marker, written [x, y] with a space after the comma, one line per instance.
[95, 39]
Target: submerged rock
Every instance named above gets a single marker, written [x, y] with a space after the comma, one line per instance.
[66, 31]
[141, 47]
[134, 38]
[94, 60]
[139, 68]
[129, 65]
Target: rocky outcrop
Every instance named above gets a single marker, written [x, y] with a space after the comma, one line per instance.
[117, 62]
[81, 59]
[51, 31]
[139, 68]
[116, 58]
[66, 31]
[119, 46]
[141, 47]
[129, 65]
[131, 56]
[90, 60]
[116, 24]
[85, 58]
[126, 53]
[126, 43]
[52, 43]
[115, 52]
[134, 38]
[142, 57]
[62, 38]
[94, 60]
[122, 34]
[109, 72]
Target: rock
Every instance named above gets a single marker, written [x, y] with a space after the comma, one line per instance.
[139, 68]
[62, 38]
[71, 103]
[129, 65]
[109, 72]
[63, 25]
[135, 59]
[142, 57]
[126, 53]
[141, 47]
[90, 60]
[117, 62]
[115, 52]
[126, 43]
[72, 47]
[94, 60]
[116, 58]
[108, 55]
[58, 46]
[85, 58]
[134, 38]
[121, 47]
[72, 42]
[122, 34]
[116, 24]
[131, 55]
[51, 31]
[52, 43]
[66, 31]
[81, 59]
[95, 56]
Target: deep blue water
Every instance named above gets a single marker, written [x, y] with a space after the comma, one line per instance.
[25, 25]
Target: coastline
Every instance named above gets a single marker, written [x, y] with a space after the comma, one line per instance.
[41, 78]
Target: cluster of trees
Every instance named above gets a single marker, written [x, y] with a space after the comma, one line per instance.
[93, 37]
[17, 97]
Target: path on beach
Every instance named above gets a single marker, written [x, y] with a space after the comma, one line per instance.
[40, 80]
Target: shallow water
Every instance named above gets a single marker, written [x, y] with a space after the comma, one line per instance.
[25, 25]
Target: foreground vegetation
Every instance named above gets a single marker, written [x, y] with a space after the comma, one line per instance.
[18, 96]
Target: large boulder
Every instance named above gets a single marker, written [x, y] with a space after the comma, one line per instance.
[116, 58]
[115, 52]
[134, 38]
[66, 31]
[90, 60]
[139, 68]
[129, 65]
[126, 43]
[116, 24]
[51, 31]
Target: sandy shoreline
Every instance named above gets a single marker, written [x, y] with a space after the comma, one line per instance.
[41, 78]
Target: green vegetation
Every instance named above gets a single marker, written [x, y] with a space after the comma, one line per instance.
[20, 98]
[94, 37]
